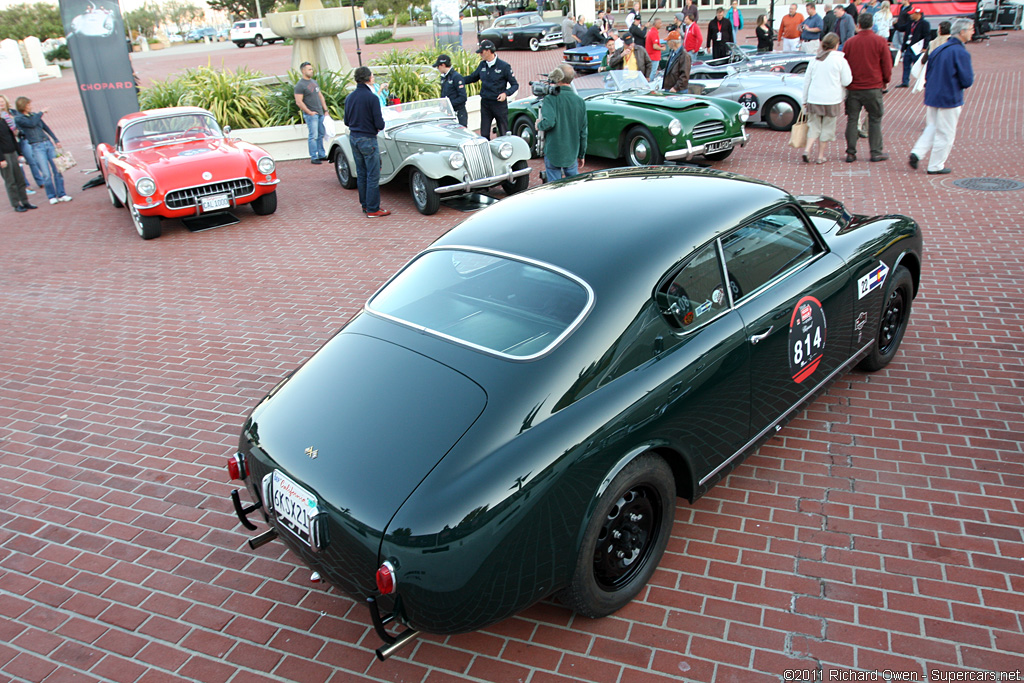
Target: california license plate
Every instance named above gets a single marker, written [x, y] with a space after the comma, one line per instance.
[293, 505]
[718, 146]
[216, 202]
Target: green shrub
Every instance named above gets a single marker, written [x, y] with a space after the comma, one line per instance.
[231, 96]
[60, 52]
[394, 57]
[403, 18]
[381, 36]
[281, 106]
[410, 85]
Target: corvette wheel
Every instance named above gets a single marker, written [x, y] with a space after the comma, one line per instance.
[625, 538]
[524, 128]
[422, 187]
[511, 187]
[641, 149]
[342, 170]
[534, 44]
[893, 320]
[113, 199]
[148, 227]
[265, 205]
[780, 113]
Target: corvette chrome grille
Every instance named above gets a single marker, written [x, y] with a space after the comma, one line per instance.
[708, 129]
[190, 196]
[479, 161]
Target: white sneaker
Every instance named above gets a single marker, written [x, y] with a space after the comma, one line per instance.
[29, 190]
[66, 198]
[54, 200]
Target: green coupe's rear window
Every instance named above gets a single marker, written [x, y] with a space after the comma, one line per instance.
[493, 302]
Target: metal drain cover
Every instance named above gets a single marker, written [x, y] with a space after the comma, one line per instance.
[989, 184]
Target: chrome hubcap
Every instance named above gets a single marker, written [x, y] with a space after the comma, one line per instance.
[781, 114]
[640, 152]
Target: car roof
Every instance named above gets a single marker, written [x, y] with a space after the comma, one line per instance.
[163, 111]
[608, 226]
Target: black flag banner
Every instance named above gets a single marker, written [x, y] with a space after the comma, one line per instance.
[103, 69]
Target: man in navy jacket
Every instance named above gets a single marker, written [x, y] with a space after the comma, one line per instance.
[497, 84]
[949, 74]
[364, 119]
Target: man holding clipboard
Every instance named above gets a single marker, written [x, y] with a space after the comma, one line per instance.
[915, 42]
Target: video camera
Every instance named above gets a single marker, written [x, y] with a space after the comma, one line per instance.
[544, 87]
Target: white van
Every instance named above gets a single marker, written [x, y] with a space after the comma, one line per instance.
[252, 31]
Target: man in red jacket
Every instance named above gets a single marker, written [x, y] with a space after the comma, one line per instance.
[694, 39]
[871, 66]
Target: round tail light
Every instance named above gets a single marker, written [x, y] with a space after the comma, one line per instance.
[386, 579]
[237, 468]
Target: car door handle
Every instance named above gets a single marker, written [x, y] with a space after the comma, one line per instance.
[754, 338]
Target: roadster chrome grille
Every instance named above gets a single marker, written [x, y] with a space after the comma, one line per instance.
[190, 196]
[479, 161]
[708, 129]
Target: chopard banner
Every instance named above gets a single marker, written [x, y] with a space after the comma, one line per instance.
[103, 69]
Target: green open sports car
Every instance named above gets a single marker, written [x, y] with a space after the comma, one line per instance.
[627, 119]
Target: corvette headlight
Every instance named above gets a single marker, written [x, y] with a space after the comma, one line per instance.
[675, 128]
[265, 165]
[505, 150]
[145, 187]
[744, 114]
[456, 160]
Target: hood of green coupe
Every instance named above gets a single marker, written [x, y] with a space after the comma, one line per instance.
[378, 418]
[666, 100]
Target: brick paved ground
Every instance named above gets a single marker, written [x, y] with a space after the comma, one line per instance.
[879, 530]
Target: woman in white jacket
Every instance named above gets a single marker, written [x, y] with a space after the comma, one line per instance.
[825, 83]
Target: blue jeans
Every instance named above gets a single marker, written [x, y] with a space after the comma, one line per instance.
[315, 126]
[26, 151]
[908, 63]
[553, 173]
[53, 181]
[367, 156]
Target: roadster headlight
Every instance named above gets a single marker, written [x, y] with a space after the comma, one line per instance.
[744, 114]
[456, 160]
[265, 165]
[505, 150]
[675, 128]
[145, 187]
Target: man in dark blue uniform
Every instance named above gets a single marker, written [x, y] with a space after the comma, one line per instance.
[497, 84]
[364, 120]
[452, 87]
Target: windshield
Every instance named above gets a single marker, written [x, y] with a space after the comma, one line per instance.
[611, 81]
[160, 130]
[492, 302]
[424, 110]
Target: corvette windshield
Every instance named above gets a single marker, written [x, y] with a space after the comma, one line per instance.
[611, 81]
[148, 132]
[491, 302]
[424, 110]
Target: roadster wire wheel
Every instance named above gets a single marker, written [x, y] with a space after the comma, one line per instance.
[625, 538]
[343, 171]
[423, 189]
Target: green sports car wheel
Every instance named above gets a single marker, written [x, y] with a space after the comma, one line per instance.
[641, 148]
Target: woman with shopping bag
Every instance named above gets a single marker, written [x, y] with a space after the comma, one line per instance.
[825, 83]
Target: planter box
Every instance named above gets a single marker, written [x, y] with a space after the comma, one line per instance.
[289, 143]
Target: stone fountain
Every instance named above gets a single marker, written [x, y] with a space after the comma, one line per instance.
[314, 32]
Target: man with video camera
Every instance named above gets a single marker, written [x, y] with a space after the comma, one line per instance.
[563, 120]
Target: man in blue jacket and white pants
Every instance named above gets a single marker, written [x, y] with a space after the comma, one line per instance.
[949, 74]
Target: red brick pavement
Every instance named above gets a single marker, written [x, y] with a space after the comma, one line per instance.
[879, 530]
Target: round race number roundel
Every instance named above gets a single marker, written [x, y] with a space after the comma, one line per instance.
[806, 338]
[749, 102]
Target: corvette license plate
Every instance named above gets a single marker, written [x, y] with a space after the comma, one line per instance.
[216, 202]
[293, 505]
[718, 146]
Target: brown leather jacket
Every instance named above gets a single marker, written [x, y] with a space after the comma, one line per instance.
[678, 74]
[643, 60]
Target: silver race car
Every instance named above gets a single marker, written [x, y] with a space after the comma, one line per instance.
[770, 97]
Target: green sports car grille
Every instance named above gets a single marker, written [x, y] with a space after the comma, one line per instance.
[708, 129]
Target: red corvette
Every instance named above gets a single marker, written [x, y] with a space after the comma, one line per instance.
[177, 163]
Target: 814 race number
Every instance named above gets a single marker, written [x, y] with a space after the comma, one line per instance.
[806, 338]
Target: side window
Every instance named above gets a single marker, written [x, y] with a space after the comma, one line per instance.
[765, 248]
[696, 293]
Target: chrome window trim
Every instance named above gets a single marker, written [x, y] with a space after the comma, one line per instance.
[476, 347]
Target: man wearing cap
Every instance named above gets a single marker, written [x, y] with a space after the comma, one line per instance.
[949, 74]
[497, 84]
[630, 57]
[364, 119]
[313, 106]
[609, 45]
[638, 32]
[720, 34]
[564, 122]
[452, 87]
[870, 62]
[915, 43]
[677, 71]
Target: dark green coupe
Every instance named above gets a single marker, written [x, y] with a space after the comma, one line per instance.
[515, 413]
[627, 119]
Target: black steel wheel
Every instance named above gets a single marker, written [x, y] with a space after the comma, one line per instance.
[423, 188]
[625, 538]
[893, 320]
[640, 148]
[343, 170]
[525, 129]
[780, 113]
[519, 184]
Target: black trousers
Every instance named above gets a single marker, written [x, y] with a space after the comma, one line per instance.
[493, 111]
[460, 113]
[14, 180]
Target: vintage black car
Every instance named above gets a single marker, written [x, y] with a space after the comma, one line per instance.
[514, 414]
[523, 31]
